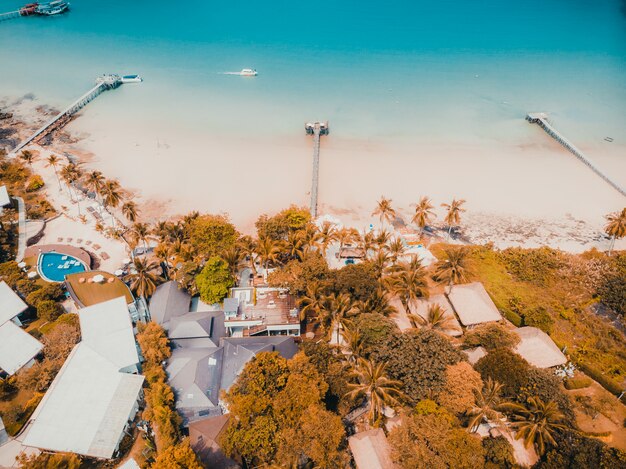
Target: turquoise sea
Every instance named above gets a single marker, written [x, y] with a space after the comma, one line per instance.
[453, 71]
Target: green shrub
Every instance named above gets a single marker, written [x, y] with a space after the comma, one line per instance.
[539, 318]
[34, 183]
[532, 265]
[491, 336]
[578, 382]
[49, 310]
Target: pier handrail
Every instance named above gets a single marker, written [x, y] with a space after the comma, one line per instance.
[541, 119]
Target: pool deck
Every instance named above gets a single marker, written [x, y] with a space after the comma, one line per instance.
[78, 253]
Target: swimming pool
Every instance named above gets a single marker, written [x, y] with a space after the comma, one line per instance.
[54, 266]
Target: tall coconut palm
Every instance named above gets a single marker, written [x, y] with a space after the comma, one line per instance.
[111, 196]
[354, 344]
[615, 226]
[435, 320]
[537, 422]
[295, 245]
[454, 269]
[367, 243]
[71, 174]
[380, 263]
[313, 301]
[384, 210]
[377, 303]
[340, 307]
[488, 405]
[143, 277]
[234, 258]
[396, 249]
[130, 211]
[53, 161]
[328, 235]
[453, 213]
[382, 238]
[248, 246]
[378, 388]
[424, 214]
[28, 157]
[408, 282]
[95, 182]
[141, 233]
[268, 250]
[310, 237]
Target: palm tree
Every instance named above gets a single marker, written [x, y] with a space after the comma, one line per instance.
[112, 196]
[340, 306]
[354, 347]
[367, 242]
[382, 238]
[313, 301]
[53, 161]
[71, 173]
[328, 235]
[141, 232]
[142, 277]
[376, 303]
[28, 157]
[130, 211]
[537, 422]
[408, 282]
[268, 250]
[295, 245]
[384, 210]
[453, 215]
[310, 237]
[247, 245]
[346, 236]
[453, 269]
[380, 263]
[488, 405]
[233, 257]
[436, 320]
[379, 390]
[396, 249]
[95, 182]
[424, 214]
[615, 226]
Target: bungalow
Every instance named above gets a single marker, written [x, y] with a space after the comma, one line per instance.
[167, 302]
[204, 436]
[18, 348]
[473, 304]
[371, 450]
[423, 305]
[538, 349]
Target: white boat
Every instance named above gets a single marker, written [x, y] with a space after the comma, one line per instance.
[248, 72]
[53, 8]
[131, 79]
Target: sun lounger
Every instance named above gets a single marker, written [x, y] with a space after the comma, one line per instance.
[79, 240]
[96, 246]
[105, 256]
[88, 242]
[59, 240]
[63, 258]
[69, 240]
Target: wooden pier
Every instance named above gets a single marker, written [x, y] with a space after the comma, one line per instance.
[317, 129]
[103, 83]
[541, 119]
[10, 15]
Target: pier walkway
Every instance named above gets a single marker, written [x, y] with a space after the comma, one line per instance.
[541, 119]
[317, 129]
[103, 83]
[21, 218]
[10, 15]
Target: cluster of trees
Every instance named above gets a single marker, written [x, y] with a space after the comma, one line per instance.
[172, 450]
[279, 416]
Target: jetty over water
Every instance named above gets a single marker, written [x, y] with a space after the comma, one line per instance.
[103, 83]
[317, 129]
[541, 119]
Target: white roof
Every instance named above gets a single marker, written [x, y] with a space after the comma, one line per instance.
[538, 349]
[17, 347]
[475, 354]
[473, 304]
[129, 464]
[4, 196]
[10, 304]
[421, 252]
[106, 327]
[86, 408]
[371, 450]
[422, 309]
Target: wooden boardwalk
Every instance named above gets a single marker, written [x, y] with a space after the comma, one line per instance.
[317, 129]
[10, 15]
[541, 119]
[103, 83]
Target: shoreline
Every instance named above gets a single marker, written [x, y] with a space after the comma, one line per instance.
[352, 179]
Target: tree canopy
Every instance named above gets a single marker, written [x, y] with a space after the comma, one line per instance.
[211, 235]
[214, 281]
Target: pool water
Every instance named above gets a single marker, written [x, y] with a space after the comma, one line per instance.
[54, 266]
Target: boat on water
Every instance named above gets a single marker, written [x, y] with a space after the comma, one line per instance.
[131, 79]
[53, 8]
[29, 9]
[248, 72]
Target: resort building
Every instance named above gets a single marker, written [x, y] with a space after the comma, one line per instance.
[18, 348]
[262, 311]
[94, 396]
[204, 436]
[167, 302]
[193, 330]
[538, 349]
[349, 254]
[199, 374]
[371, 450]
[473, 305]
[106, 327]
[422, 306]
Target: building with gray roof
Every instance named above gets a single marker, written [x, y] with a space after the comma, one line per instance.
[167, 302]
[197, 329]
